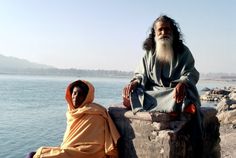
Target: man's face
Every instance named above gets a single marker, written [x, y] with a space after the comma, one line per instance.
[78, 96]
[164, 41]
[163, 30]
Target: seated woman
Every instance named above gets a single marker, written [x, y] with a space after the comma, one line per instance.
[90, 131]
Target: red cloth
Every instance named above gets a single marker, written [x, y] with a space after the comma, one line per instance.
[190, 109]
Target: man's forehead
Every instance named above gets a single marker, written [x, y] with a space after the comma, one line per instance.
[160, 24]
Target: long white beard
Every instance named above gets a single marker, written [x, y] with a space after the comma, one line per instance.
[164, 49]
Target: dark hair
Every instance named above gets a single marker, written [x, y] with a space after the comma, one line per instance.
[81, 85]
[150, 45]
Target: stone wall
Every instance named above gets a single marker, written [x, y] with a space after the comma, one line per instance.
[158, 135]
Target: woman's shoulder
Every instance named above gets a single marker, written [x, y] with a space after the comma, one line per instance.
[97, 106]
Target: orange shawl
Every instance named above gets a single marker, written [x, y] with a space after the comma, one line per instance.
[90, 131]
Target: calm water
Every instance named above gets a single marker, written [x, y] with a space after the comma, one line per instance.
[33, 109]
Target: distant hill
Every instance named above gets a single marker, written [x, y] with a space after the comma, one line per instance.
[16, 64]
[12, 65]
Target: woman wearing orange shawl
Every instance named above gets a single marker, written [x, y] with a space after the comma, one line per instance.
[90, 131]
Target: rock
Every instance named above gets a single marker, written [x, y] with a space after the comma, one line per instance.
[228, 141]
[206, 89]
[227, 117]
[233, 106]
[216, 94]
[158, 135]
[233, 126]
[223, 105]
[227, 110]
[232, 95]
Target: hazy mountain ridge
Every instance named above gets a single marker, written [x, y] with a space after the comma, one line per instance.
[8, 63]
[12, 65]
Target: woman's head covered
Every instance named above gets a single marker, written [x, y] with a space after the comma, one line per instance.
[79, 93]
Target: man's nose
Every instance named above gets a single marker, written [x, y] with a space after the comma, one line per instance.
[164, 32]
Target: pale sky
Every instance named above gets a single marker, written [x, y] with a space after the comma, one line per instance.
[108, 34]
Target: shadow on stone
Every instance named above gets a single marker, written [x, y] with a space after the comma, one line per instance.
[123, 124]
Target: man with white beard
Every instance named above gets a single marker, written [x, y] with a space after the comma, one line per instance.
[165, 80]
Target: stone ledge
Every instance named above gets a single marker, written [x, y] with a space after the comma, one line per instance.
[157, 135]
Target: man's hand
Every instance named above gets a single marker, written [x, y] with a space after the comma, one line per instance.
[180, 92]
[126, 92]
[129, 88]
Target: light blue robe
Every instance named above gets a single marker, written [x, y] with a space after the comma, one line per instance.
[157, 82]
